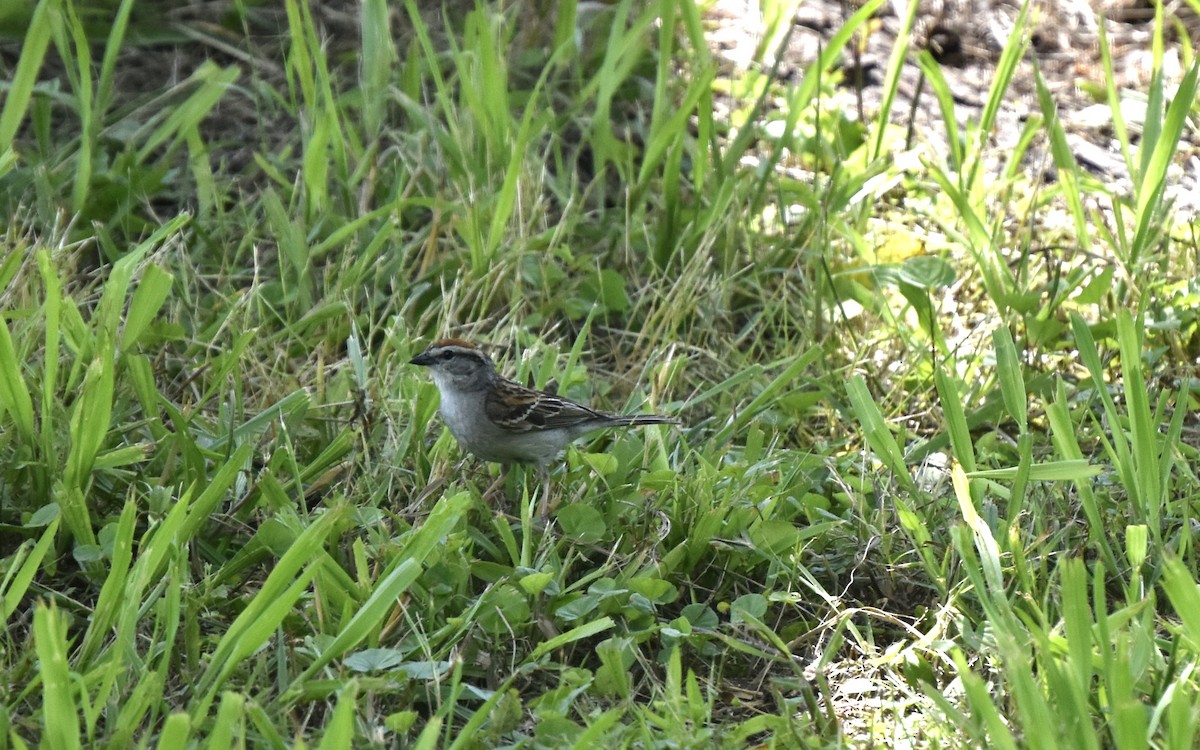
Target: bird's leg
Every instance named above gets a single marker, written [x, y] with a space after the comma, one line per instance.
[544, 505]
[496, 485]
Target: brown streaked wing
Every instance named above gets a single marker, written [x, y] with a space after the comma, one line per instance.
[520, 409]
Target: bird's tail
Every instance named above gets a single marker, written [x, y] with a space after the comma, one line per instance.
[641, 420]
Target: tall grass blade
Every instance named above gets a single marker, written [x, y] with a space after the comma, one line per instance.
[114, 594]
[151, 293]
[1153, 181]
[60, 713]
[376, 67]
[1180, 583]
[212, 83]
[118, 27]
[47, 18]
[945, 99]
[22, 566]
[891, 79]
[1144, 435]
[1006, 67]
[879, 438]
[1064, 160]
[339, 730]
[14, 394]
[229, 726]
[72, 44]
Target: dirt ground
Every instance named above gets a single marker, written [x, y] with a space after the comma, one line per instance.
[967, 38]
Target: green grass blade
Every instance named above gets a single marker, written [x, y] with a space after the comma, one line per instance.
[879, 438]
[369, 617]
[1113, 98]
[375, 68]
[1014, 52]
[77, 55]
[263, 614]
[175, 732]
[113, 597]
[47, 17]
[118, 27]
[767, 395]
[1049, 471]
[945, 99]
[1011, 378]
[1154, 175]
[91, 419]
[1077, 622]
[1144, 434]
[52, 307]
[215, 488]
[339, 730]
[14, 394]
[1180, 586]
[956, 420]
[891, 79]
[229, 727]
[152, 291]
[212, 83]
[60, 714]
[1064, 160]
[984, 709]
[22, 565]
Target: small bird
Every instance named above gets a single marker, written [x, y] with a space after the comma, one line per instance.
[498, 420]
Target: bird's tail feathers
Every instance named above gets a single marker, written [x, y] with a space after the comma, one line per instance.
[640, 420]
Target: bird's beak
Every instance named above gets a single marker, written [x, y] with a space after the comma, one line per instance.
[423, 359]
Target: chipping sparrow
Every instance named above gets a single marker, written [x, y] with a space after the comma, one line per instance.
[498, 420]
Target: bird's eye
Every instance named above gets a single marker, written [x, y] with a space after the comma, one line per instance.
[447, 356]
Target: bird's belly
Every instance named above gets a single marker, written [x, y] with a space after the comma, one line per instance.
[522, 448]
[488, 442]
